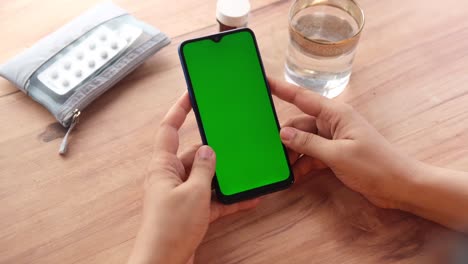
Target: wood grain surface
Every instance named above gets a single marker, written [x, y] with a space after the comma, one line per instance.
[409, 80]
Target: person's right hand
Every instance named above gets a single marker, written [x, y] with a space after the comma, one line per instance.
[338, 136]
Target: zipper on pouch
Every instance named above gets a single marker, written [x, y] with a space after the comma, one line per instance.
[75, 119]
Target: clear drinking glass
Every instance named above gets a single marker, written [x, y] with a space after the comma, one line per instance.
[323, 36]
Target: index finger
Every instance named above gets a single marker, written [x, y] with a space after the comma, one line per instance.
[308, 101]
[167, 138]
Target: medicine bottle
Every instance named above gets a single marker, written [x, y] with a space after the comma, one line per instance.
[232, 14]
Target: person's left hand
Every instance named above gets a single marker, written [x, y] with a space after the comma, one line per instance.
[177, 204]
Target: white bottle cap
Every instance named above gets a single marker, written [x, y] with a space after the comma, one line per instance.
[233, 13]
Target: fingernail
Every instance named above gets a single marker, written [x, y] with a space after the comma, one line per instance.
[287, 133]
[205, 152]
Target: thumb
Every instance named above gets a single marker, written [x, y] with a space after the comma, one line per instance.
[203, 168]
[308, 143]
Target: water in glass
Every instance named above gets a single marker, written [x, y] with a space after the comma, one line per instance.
[325, 75]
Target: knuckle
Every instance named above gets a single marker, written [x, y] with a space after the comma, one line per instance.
[344, 108]
[305, 139]
[168, 163]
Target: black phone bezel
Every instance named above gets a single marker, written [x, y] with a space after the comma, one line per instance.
[249, 194]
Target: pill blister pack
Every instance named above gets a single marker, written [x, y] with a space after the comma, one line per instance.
[87, 57]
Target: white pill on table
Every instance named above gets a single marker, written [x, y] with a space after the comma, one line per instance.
[91, 64]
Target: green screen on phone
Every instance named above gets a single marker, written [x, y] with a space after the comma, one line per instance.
[236, 111]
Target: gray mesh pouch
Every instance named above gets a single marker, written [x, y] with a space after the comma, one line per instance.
[71, 67]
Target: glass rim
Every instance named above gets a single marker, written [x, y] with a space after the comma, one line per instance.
[309, 3]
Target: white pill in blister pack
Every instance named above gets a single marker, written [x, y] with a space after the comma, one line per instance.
[81, 61]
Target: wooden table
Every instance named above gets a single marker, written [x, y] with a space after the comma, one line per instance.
[410, 81]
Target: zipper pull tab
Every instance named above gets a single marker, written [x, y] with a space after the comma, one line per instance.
[74, 121]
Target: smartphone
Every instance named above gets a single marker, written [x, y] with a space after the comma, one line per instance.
[235, 114]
